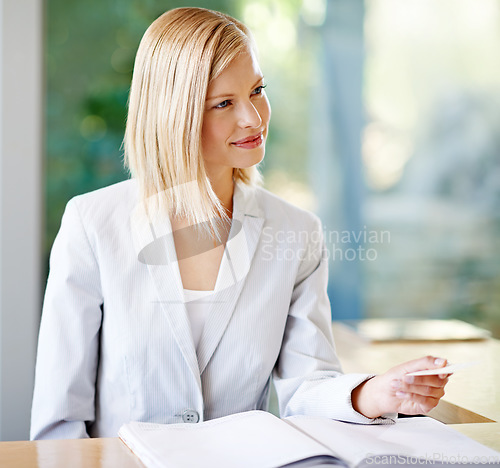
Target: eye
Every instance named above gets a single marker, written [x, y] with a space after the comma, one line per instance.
[258, 90]
[223, 104]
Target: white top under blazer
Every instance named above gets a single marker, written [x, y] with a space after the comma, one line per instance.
[197, 308]
[115, 341]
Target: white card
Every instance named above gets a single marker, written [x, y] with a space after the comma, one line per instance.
[445, 370]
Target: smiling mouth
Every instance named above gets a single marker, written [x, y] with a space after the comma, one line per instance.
[249, 142]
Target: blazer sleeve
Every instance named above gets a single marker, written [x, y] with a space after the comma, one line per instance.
[308, 376]
[68, 344]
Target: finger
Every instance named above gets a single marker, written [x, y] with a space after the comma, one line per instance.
[427, 362]
[430, 380]
[424, 390]
[417, 403]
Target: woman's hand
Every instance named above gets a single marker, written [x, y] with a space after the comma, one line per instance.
[395, 392]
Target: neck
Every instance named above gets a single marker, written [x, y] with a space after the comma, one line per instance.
[223, 186]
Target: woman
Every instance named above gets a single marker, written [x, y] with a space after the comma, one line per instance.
[169, 298]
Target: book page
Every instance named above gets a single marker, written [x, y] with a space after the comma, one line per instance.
[418, 437]
[246, 440]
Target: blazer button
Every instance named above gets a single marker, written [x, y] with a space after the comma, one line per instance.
[190, 416]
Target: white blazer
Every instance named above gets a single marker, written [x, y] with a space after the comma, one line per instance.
[115, 342]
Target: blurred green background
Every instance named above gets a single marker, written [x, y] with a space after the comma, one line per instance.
[422, 161]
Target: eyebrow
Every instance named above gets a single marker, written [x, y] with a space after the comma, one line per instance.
[210, 98]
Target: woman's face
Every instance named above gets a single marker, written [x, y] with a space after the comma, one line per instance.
[236, 118]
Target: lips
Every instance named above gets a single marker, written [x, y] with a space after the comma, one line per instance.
[249, 142]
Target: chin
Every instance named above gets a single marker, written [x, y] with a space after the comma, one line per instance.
[250, 160]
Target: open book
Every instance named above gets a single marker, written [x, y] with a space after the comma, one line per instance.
[257, 439]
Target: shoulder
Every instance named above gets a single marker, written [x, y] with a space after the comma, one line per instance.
[110, 195]
[106, 204]
[107, 198]
[276, 210]
[290, 232]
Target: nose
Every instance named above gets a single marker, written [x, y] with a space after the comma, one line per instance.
[249, 116]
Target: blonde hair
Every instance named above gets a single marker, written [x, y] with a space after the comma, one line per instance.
[179, 55]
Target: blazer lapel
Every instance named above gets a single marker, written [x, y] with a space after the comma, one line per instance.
[155, 247]
[240, 248]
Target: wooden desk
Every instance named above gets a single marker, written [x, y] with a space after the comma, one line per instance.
[77, 453]
[472, 395]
